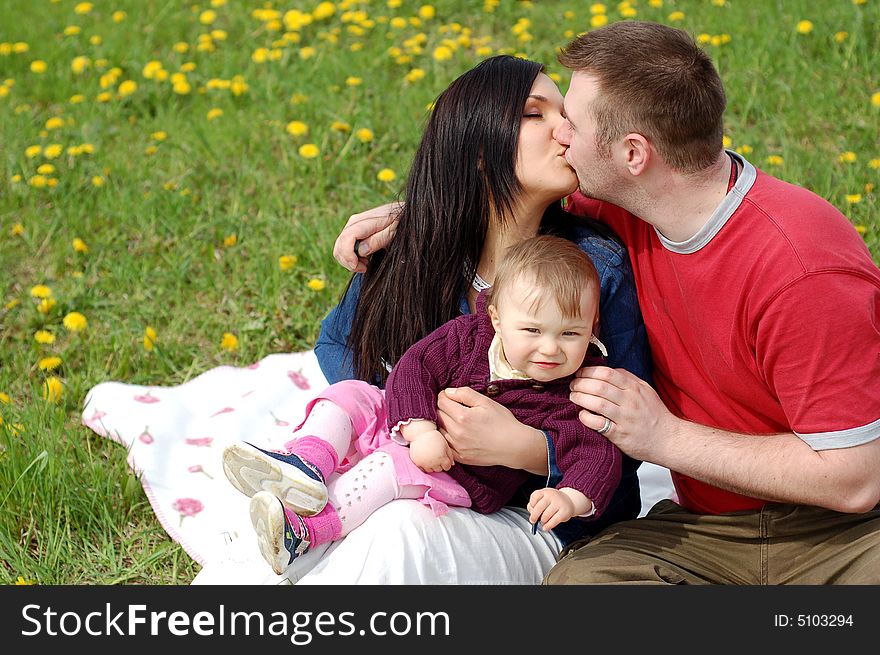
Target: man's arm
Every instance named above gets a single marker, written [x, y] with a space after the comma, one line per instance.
[371, 230]
[483, 433]
[780, 468]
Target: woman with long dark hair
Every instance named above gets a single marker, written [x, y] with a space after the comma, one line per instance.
[487, 174]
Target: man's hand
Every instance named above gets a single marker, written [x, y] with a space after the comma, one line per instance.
[372, 230]
[483, 433]
[430, 452]
[640, 423]
[554, 506]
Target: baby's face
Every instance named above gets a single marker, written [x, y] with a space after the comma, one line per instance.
[537, 339]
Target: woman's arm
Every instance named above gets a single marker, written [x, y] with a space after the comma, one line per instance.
[331, 349]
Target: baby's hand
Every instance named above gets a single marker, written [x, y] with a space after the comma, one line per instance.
[430, 452]
[551, 507]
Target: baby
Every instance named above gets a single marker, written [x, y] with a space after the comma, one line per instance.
[361, 447]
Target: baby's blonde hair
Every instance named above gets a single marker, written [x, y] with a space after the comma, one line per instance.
[556, 267]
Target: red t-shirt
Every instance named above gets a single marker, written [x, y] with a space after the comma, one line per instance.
[766, 321]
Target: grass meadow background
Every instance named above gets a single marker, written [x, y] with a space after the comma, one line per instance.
[173, 176]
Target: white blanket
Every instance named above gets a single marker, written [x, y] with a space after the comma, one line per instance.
[175, 436]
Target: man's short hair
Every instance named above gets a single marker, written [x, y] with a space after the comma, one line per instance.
[656, 81]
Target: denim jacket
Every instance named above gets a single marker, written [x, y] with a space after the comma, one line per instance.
[620, 328]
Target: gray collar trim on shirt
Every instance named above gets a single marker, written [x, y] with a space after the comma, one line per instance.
[719, 217]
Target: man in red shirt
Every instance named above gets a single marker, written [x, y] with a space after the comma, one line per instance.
[762, 306]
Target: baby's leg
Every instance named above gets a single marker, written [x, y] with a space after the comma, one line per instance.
[359, 492]
[283, 535]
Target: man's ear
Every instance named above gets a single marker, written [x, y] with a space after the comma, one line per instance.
[636, 152]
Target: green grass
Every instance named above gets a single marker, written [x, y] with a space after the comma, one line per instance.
[70, 510]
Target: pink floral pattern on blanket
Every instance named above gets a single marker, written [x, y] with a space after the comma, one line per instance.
[175, 436]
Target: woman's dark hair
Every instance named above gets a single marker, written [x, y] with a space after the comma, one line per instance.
[463, 175]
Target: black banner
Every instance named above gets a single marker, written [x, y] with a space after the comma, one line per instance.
[434, 619]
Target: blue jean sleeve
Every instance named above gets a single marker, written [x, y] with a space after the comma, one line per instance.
[331, 349]
[621, 327]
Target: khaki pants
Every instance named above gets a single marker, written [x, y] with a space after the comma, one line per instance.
[779, 544]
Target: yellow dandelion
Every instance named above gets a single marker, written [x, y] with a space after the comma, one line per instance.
[97, 181]
[324, 10]
[874, 163]
[260, 55]
[598, 20]
[75, 322]
[841, 36]
[119, 16]
[95, 39]
[207, 17]
[151, 150]
[22, 581]
[238, 86]
[861, 229]
[80, 246]
[15, 302]
[869, 187]
[316, 284]
[37, 181]
[83, 8]
[32, 151]
[287, 262]
[104, 96]
[775, 160]
[214, 113]
[875, 99]
[79, 64]
[676, 16]
[365, 135]
[127, 88]
[307, 52]
[229, 342]
[442, 53]
[15, 178]
[415, 75]
[181, 87]
[77, 98]
[41, 291]
[298, 98]
[353, 81]
[427, 12]
[38, 66]
[54, 123]
[159, 136]
[52, 151]
[230, 240]
[340, 126]
[46, 305]
[847, 157]
[386, 175]
[72, 30]
[44, 337]
[4, 398]
[309, 151]
[49, 363]
[16, 230]
[853, 198]
[180, 47]
[598, 8]
[150, 338]
[297, 128]
[53, 389]
[45, 169]
[630, 12]
[804, 27]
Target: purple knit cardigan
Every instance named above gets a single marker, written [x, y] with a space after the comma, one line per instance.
[456, 355]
